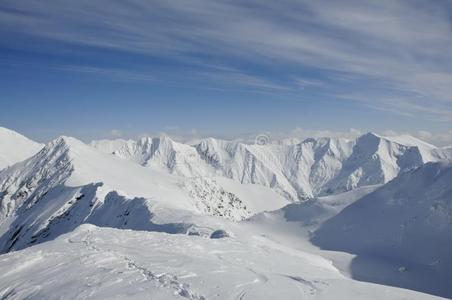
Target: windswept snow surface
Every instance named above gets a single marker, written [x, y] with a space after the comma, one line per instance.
[14, 147]
[104, 263]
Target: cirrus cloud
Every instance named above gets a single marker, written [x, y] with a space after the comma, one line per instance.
[400, 50]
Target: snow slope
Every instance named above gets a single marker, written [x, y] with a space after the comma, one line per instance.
[397, 234]
[406, 223]
[14, 147]
[297, 171]
[69, 183]
[302, 219]
[377, 160]
[286, 169]
[104, 263]
[160, 153]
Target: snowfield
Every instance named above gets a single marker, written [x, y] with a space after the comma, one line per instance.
[157, 219]
[104, 263]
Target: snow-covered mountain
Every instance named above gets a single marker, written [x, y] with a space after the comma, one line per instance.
[376, 160]
[408, 221]
[69, 183]
[375, 197]
[158, 153]
[396, 234]
[14, 147]
[296, 171]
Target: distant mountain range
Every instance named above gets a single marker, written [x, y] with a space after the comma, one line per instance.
[300, 171]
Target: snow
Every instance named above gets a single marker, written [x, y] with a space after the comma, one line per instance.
[406, 222]
[69, 183]
[104, 263]
[297, 171]
[409, 140]
[14, 147]
[324, 218]
[259, 198]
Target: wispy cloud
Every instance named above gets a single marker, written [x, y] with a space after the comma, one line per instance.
[113, 73]
[401, 105]
[223, 78]
[303, 83]
[400, 47]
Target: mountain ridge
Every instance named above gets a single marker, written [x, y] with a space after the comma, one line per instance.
[69, 183]
[299, 171]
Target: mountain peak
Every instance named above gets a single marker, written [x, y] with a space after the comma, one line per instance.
[65, 142]
[370, 135]
[68, 140]
[368, 142]
[15, 147]
[162, 139]
[69, 160]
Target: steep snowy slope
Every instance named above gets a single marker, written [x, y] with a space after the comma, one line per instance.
[310, 165]
[406, 223]
[14, 147]
[376, 160]
[161, 153]
[296, 171]
[69, 183]
[105, 263]
[253, 164]
[409, 140]
[111, 146]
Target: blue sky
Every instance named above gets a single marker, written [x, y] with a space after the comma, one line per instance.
[96, 69]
